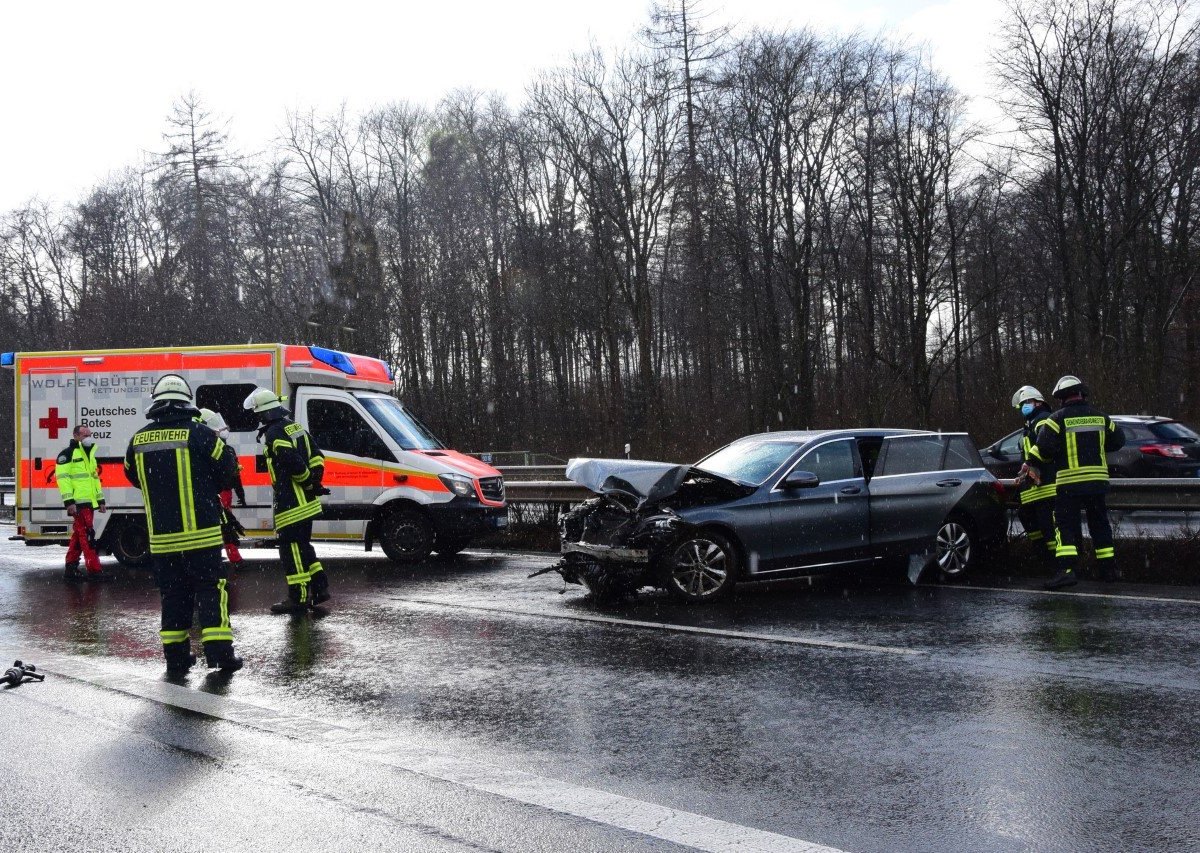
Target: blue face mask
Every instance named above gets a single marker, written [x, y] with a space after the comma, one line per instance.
[1027, 409]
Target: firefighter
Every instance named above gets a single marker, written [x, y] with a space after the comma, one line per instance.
[1075, 440]
[231, 529]
[1036, 479]
[180, 465]
[296, 467]
[79, 484]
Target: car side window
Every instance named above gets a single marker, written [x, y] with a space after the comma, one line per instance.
[336, 427]
[1011, 445]
[912, 455]
[227, 401]
[960, 454]
[836, 460]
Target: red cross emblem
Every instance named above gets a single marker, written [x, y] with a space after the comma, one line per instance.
[52, 423]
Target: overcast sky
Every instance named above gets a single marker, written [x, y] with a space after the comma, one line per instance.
[87, 85]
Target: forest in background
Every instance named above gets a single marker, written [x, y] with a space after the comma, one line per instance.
[702, 235]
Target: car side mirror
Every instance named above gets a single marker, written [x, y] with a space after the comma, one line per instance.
[994, 451]
[800, 480]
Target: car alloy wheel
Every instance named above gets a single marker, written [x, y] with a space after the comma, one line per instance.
[702, 568]
[953, 548]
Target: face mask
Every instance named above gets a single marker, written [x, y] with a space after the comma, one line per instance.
[1027, 409]
[88, 442]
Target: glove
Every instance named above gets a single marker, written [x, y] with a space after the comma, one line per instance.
[102, 507]
[71, 510]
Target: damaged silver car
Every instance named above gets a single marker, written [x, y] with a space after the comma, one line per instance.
[781, 504]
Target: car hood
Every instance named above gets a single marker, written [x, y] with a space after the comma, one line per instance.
[648, 482]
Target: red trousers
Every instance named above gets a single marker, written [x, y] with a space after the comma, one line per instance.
[228, 533]
[81, 541]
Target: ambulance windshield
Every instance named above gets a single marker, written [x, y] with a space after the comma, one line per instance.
[405, 430]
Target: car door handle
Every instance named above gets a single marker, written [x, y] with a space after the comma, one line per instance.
[949, 484]
[851, 490]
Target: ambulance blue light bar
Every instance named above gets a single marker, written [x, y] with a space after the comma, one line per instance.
[336, 360]
[8, 359]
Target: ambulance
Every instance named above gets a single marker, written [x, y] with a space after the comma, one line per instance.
[391, 480]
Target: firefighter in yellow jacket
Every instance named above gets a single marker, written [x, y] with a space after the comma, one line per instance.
[181, 466]
[78, 478]
[296, 467]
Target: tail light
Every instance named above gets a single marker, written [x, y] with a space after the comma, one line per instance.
[1168, 451]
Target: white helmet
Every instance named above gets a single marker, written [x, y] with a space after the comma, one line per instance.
[1068, 385]
[262, 400]
[172, 387]
[213, 420]
[1026, 393]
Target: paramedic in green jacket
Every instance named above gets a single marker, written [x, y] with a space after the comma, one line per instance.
[78, 478]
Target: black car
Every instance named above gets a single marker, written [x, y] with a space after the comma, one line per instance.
[1154, 447]
[781, 504]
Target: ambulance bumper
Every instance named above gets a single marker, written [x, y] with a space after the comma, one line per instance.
[466, 517]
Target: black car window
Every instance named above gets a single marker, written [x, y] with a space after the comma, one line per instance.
[912, 455]
[833, 461]
[336, 427]
[226, 400]
[1173, 431]
[1137, 432]
[1011, 445]
[961, 453]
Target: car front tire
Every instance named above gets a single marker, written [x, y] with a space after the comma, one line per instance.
[701, 567]
[129, 542]
[405, 535]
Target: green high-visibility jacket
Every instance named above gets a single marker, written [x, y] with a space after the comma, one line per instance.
[78, 476]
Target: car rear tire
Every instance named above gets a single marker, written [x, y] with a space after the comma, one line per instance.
[955, 548]
[129, 541]
[701, 567]
[405, 535]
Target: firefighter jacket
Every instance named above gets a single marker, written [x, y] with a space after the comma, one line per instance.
[1076, 439]
[296, 467]
[180, 465]
[78, 476]
[1044, 468]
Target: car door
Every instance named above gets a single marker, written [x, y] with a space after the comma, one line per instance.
[826, 524]
[911, 494]
[1003, 458]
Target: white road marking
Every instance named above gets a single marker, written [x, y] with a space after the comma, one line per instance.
[666, 626]
[649, 819]
[1063, 592]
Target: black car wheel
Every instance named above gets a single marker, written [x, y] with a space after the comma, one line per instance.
[129, 542]
[405, 535]
[701, 567]
[954, 549]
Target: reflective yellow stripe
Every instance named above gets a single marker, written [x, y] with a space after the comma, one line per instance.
[1067, 551]
[221, 587]
[1034, 536]
[1037, 454]
[210, 537]
[141, 470]
[1038, 493]
[1104, 553]
[218, 449]
[1050, 422]
[209, 635]
[1072, 451]
[1083, 474]
[169, 637]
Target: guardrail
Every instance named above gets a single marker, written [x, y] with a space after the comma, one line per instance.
[1124, 493]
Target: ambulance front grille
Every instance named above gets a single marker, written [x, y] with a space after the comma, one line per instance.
[492, 488]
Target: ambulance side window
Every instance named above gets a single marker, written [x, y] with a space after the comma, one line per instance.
[336, 427]
[227, 401]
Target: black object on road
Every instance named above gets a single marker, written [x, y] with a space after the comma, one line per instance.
[19, 673]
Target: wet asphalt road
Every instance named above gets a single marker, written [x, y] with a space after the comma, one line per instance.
[459, 705]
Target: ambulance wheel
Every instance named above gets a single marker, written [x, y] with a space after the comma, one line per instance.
[129, 542]
[405, 535]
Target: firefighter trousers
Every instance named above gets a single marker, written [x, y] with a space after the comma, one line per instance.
[305, 574]
[1067, 509]
[81, 541]
[191, 581]
[1037, 517]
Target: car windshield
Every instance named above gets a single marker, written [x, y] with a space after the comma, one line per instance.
[1174, 431]
[749, 461]
[400, 424]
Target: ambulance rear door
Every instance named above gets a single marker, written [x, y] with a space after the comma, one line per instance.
[51, 412]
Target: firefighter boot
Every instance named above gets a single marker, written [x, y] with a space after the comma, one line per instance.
[72, 572]
[318, 589]
[179, 658]
[219, 655]
[296, 601]
[1063, 578]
